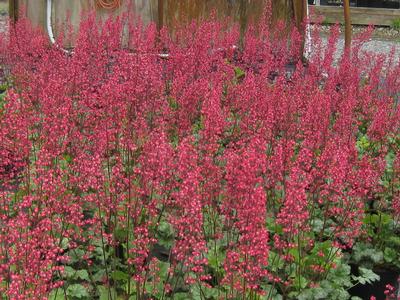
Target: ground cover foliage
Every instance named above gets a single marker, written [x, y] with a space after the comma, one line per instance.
[230, 170]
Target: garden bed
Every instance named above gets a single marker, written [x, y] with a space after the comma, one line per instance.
[213, 174]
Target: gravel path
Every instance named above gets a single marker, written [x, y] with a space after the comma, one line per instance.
[379, 33]
[3, 23]
[383, 40]
[381, 46]
[374, 45]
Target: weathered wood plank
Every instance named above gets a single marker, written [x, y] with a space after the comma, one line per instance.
[243, 12]
[35, 11]
[164, 12]
[73, 9]
[178, 12]
[13, 9]
[359, 15]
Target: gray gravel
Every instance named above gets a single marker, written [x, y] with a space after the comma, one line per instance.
[374, 46]
[380, 33]
[382, 41]
[3, 23]
[378, 46]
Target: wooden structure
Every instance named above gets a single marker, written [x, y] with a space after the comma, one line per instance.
[162, 12]
[359, 15]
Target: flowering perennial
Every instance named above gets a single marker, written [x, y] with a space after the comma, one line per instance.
[219, 171]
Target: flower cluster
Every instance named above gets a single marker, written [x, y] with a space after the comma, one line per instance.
[225, 166]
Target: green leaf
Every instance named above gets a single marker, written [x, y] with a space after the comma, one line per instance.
[271, 293]
[57, 294]
[211, 293]
[300, 282]
[367, 276]
[366, 253]
[207, 293]
[389, 254]
[215, 259]
[317, 225]
[395, 241]
[68, 158]
[272, 225]
[195, 292]
[163, 267]
[100, 255]
[64, 243]
[76, 256]
[173, 104]
[119, 276]
[104, 293]
[239, 73]
[390, 158]
[295, 253]
[274, 261]
[181, 296]
[165, 229]
[363, 144]
[68, 272]
[340, 294]
[340, 276]
[82, 274]
[71, 273]
[314, 293]
[320, 293]
[326, 290]
[77, 291]
[2, 99]
[165, 234]
[120, 234]
[99, 275]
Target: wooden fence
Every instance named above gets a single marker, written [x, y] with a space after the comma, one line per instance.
[359, 15]
[162, 12]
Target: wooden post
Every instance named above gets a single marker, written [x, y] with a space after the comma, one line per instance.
[300, 15]
[160, 16]
[347, 24]
[300, 12]
[13, 9]
[284, 10]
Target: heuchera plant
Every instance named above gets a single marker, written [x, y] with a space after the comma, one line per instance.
[230, 170]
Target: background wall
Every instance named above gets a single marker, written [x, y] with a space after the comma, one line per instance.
[163, 12]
